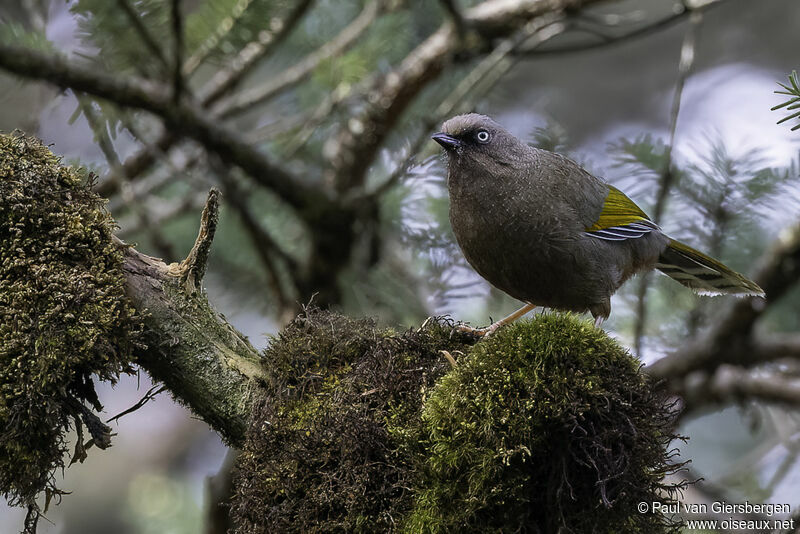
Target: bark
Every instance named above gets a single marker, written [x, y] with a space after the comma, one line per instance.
[205, 363]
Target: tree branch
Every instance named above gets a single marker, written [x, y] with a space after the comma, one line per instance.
[204, 362]
[730, 339]
[222, 82]
[228, 77]
[181, 118]
[357, 144]
[730, 384]
[144, 34]
[302, 69]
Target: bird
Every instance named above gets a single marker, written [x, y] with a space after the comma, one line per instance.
[541, 228]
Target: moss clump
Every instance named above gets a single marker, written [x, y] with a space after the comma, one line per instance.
[548, 427]
[63, 314]
[329, 448]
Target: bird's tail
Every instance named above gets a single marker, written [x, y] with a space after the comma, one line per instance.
[702, 274]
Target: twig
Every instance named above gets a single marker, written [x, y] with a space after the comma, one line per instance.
[455, 14]
[144, 34]
[177, 61]
[193, 268]
[667, 174]
[300, 70]
[247, 58]
[150, 395]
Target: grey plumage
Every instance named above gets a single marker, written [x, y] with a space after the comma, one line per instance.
[527, 221]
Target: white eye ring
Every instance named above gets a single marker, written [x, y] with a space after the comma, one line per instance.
[482, 136]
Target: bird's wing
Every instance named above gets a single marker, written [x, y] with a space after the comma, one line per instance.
[620, 219]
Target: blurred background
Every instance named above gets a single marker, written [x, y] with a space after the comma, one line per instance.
[634, 90]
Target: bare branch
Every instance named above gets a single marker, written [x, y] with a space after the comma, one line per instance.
[302, 69]
[150, 395]
[183, 119]
[667, 175]
[731, 384]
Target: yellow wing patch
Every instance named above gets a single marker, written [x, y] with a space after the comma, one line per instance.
[618, 210]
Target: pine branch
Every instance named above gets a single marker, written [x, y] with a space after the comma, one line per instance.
[144, 34]
[223, 81]
[228, 77]
[182, 119]
[303, 68]
[793, 103]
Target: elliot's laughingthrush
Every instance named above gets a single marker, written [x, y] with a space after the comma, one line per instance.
[541, 228]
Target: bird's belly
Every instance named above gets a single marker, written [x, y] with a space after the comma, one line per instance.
[537, 265]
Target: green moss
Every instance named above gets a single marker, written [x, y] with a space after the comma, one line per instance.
[328, 445]
[64, 315]
[547, 427]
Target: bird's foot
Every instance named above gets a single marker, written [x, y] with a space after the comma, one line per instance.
[598, 321]
[489, 330]
[478, 332]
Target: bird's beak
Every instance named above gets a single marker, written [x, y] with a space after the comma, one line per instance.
[448, 142]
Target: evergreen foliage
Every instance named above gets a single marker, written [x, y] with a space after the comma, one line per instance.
[548, 425]
[792, 90]
[64, 316]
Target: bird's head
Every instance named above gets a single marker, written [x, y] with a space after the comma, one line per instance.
[477, 140]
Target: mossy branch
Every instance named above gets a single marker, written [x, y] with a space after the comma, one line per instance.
[205, 362]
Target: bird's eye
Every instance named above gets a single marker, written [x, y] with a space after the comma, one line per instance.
[483, 136]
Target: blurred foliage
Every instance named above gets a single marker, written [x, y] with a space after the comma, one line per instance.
[65, 316]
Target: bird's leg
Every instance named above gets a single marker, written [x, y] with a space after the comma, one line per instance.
[494, 326]
[598, 321]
